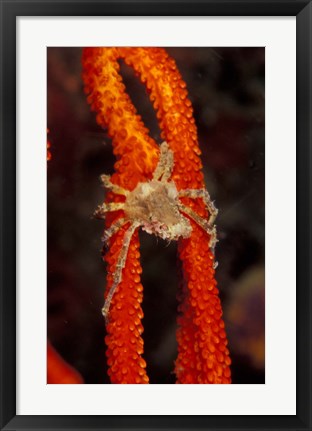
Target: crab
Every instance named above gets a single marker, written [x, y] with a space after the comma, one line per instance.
[154, 206]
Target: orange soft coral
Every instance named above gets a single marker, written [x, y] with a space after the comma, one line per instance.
[49, 155]
[59, 371]
[202, 353]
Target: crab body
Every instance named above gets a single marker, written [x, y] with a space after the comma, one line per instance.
[154, 204]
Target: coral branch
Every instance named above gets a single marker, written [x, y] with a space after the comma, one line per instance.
[59, 371]
[203, 356]
[49, 155]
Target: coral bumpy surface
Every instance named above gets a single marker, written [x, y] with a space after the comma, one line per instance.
[203, 356]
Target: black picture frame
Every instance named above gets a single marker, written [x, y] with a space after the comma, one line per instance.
[10, 9]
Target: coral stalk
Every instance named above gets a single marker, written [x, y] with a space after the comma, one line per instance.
[203, 356]
[49, 155]
[58, 370]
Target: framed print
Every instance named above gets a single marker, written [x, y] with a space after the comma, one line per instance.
[164, 146]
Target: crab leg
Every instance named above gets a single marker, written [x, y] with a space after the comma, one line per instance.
[108, 233]
[165, 163]
[201, 193]
[121, 261]
[114, 187]
[105, 208]
[204, 224]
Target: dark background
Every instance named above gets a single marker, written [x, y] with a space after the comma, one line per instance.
[226, 87]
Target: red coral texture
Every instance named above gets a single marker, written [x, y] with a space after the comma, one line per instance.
[203, 356]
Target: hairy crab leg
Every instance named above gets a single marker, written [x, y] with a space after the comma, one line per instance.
[108, 233]
[201, 193]
[211, 230]
[108, 207]
[121, 261]
[106, 180]
[165, 163]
